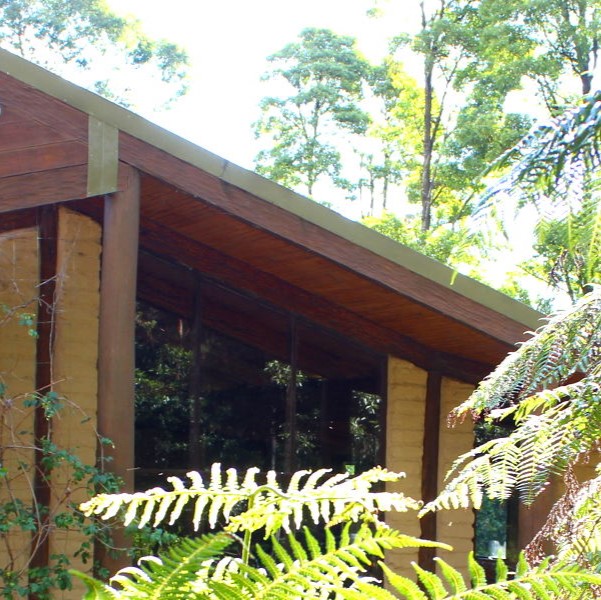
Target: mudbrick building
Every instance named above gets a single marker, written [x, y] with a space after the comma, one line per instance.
[308, 340]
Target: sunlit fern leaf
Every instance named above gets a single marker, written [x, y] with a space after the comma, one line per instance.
[167, 577]
[363, 590]
[577, 332]
[543, 445]
[95, 590]
[431, 583]
[308, 569]
[329, 498]
[477, 572]
[553, 582]
[452, 576]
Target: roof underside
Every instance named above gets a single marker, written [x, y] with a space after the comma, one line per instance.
[287, 254]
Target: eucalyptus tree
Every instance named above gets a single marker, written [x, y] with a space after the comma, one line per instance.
[83, 38]
[323, 76]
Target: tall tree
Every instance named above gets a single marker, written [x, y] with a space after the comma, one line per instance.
[548, 42]
[440, 63]
[83, 35]
[393, 137]
[324, 74]
[555, 45]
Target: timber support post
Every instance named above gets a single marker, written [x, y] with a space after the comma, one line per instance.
[431, 445]
[116, 343]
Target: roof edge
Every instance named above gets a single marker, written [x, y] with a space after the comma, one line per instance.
[306, 209]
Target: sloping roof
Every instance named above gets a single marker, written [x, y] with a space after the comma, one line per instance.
[204, 212]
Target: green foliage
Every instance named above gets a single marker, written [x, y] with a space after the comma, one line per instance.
[545, 582]
[298, 568]
[549, 387]
[452, 244]
[335, 564]
[556, 168]
[324, 73]
[172, 575]
[284, 567]
[88, 35]
[264, 506]
[24, 518]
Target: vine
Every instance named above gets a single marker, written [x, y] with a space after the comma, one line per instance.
[26, 523]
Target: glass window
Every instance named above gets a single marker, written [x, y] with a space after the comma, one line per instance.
[246, 384]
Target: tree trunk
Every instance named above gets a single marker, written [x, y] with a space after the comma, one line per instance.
[426, 179]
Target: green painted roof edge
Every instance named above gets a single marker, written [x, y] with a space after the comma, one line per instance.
[139, 127]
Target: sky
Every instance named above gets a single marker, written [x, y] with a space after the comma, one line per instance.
[229, 41]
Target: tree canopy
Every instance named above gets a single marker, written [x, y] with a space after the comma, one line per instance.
[86, 40]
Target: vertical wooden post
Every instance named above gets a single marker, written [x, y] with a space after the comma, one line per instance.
[338, 441]
[290, 442]
[116, 354]
[195, 450]
[383, 411]
[431, 444]
[47, 218]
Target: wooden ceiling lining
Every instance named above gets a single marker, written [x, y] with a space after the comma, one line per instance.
[308, 271]
[344, 285]
[249, 321]
[268, 253]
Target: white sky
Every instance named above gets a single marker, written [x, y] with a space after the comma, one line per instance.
[228, 42]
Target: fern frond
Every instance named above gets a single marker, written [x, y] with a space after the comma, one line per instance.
[543, 445]
[170, 576]
[555, 582]
[312, 570]
[329, 499]
[553, 155]
[95, 589]
[569, 343]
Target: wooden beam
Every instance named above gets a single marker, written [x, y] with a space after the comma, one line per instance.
[48, 253]
[431, 445]
[290, 422]
[41, 158]
[18, 219]
[116, 359]
[245, 206]
[240, 275]
[45, 187]
[195, 449]
[116, 353]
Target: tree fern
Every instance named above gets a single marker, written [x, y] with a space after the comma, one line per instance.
[303, 569]
[556, 168]
[568, 344]
[268, 506]
[170, 576]
[554, 426]
[557, 582]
